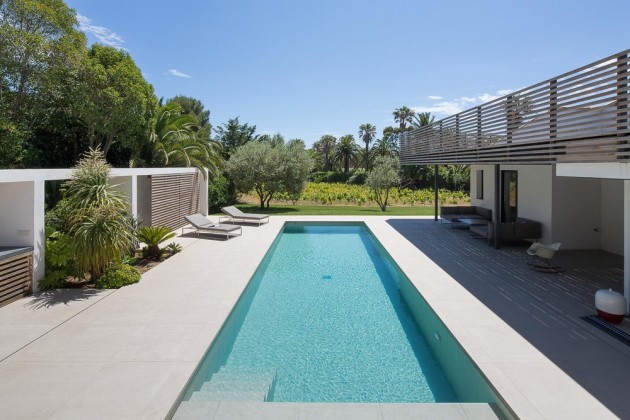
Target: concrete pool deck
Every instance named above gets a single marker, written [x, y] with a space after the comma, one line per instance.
[128, 353]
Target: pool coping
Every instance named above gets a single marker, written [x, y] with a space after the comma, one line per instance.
[151, 336]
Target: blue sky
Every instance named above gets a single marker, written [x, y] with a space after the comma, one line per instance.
[306, 69]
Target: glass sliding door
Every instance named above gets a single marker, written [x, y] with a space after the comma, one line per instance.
[509, 196]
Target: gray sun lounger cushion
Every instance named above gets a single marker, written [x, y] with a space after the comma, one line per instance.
[233, 214]
[201, 224]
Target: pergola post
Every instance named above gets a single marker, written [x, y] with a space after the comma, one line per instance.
[626, 243]
[435, 187]
[496, 212]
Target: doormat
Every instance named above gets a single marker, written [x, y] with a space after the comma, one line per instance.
[608, 328]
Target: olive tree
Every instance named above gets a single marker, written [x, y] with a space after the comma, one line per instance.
[385, 175]
[268, 169]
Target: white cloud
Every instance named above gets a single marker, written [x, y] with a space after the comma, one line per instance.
[179, 74]
[434, 97]
[457, 105]
[104, 35]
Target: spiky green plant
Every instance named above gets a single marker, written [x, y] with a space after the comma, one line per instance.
[153, 236]
[99, 216]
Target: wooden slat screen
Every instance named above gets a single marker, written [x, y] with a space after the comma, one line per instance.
[580, 116]
[174, 196]
[16, 277]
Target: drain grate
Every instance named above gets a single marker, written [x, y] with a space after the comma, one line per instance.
[608, 328]
[327, 277]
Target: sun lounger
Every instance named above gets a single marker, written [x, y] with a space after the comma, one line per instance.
[202, 225]
[233, 214]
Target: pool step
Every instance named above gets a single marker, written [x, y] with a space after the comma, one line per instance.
[236, 384]
[189, 410]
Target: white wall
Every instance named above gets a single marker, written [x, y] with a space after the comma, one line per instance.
[577, 212]
[611, 230]
[17, 214]
[534, 195]
[488, 186]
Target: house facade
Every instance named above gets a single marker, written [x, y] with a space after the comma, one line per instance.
[557, 152]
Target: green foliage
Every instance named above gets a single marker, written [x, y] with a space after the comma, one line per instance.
[117, 276]
[99, 216]
[422, 119]
[192, 106]
[176, 141]
[153, 236]
[233, 134]
[174, 248]
[326, 146]
[361, 195]
[221, 192]
[119, 102]
[403, 116]
[329, 176]
[59, 259]
[367, 133]
[12, 143]
[384, 176]
[58, 217]
[346, 152]
[358, 177]
[269, 170]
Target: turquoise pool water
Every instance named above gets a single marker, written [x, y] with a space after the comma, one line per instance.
[325, 319]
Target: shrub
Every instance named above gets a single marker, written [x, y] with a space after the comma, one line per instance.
[117, 276]
[153, 236]
[58, 217]
[358, 177]
[59, 259]
[99, 223]
[221, 193]
[329, 177]
[174, 248]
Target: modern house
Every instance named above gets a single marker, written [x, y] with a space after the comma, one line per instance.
[158, 196]
[557, 152]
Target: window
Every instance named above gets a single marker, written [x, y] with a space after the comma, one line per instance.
[479, 184]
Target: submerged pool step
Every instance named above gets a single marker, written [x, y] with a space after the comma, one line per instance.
[228, 396]
[189, 410]
[236, 384]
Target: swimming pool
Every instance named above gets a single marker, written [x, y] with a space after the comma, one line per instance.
[329, 317]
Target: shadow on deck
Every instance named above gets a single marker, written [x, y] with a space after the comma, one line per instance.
[544, 308]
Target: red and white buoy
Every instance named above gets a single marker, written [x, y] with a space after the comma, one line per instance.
[611, 306]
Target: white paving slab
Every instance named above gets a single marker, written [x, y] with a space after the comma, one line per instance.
[129, 353]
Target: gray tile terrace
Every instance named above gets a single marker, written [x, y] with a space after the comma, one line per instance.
[544, 308]
[128, 353]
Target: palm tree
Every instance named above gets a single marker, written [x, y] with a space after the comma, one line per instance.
[176, 141]
[387, 146]
[403, 115]
[422, 118]
[326, 147]
[347, 150]
[367, 132]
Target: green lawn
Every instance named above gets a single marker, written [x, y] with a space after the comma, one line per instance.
[289, 210]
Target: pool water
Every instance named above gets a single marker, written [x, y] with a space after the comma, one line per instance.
[327, 321]
[329, 317]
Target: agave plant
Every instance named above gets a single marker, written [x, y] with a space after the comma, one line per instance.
[153, 236]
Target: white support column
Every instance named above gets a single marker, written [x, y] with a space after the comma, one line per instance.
[134, 196]
[203, 194]
[39, 234]
[626, 243]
